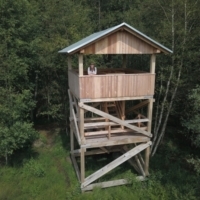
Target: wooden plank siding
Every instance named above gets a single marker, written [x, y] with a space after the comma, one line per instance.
[121, 42]
[111, 85]
[73, 81]
[120, 85]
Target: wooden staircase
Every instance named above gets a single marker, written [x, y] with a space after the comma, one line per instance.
[116, 109]
[111, 120]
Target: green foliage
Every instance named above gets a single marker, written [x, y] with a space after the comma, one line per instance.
[15, 137]
[33, 85]
[15, 130]
[192, 120]
[51, 175]
[195, 162]
[17, 28]
[33, 167]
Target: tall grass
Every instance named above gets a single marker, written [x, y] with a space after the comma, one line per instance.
[50, 176]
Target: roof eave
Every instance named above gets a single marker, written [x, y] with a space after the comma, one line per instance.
[104, 33]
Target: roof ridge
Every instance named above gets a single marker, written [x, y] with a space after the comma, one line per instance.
[94, 36]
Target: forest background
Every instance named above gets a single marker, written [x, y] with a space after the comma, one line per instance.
[33, 80]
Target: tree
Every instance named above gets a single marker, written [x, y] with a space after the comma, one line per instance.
[16, 33]
[181, 29]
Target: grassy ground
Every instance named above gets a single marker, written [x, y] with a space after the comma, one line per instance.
[46, 172]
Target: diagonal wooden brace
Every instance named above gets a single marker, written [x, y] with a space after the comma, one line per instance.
[114, 119]
[115, 163]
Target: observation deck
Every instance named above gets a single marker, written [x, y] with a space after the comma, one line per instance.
[111, 84]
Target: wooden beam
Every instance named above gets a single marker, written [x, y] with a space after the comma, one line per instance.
[146, 166]
[104, 149]
[153, 64]
[70, 98]
[139, 165]
[94, 105]
[82, 51]
[123, 111]
[131, 161]
[149, 115]
[115, 163]
[94, 119]
[147, 151]
[75, 104]
[115, 119]
[111, 183]
[114, 140]
[82, 159]
[71, 139]
[95, 151]
[76, 167]
[76, 127]
[71, 131]
[138, 106]
[72, 126]
[76, 151]
[141, 159]
[115, 99]
[80, 62]
[113, 131]
[102, 124]
[106, 184]
[81, 125]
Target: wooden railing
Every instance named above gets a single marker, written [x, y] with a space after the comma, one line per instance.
[111, 85]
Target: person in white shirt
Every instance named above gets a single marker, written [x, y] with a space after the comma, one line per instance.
[92, 70]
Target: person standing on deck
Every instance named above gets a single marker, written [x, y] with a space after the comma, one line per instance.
[92, 70]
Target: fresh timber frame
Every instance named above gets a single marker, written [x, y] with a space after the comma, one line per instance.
[107, 129]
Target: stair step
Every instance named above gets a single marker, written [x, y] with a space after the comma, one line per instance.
[111, 105]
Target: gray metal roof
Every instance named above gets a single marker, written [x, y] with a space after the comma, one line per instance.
[95, 36]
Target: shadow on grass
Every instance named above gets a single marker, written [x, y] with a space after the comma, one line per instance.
[17, 159]
[65, 138]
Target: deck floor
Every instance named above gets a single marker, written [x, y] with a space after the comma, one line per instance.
[115, 139]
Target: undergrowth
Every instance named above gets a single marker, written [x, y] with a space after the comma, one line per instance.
[47, 173]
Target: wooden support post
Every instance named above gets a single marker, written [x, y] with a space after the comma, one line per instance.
[74, 127]
[80, 64]
[149, 115]
[123, 112]
[69, 62]
[124, 61]
[153, 64]
[76, 167]
[71, 139]
[146, 165]
[71, 131]
[82, 159]
[147, 151]
[139, 166]
[81, 125]
[109, 132]
[76, 105]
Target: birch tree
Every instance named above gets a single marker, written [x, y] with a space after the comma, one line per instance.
[180, 34]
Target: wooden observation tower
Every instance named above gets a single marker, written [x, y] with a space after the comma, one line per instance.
[98, 111]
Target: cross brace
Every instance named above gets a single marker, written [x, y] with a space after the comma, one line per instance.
[115, 163]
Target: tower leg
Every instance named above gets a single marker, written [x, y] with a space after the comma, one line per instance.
[147, 151]
[82, 159]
